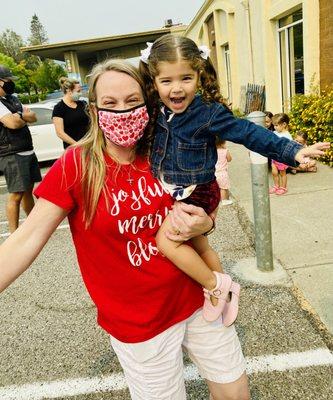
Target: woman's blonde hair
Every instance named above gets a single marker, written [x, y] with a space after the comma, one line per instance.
[93, 145]
[67, 83]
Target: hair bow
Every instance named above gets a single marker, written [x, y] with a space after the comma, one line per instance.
[204, 51]
[145, 53]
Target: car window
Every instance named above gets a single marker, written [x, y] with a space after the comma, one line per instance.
[44, 116]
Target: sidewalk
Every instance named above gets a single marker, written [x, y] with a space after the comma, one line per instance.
[302, 228]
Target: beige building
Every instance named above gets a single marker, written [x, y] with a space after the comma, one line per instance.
[286, 45]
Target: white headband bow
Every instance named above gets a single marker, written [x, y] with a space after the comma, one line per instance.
[146, 52]
[204, 52]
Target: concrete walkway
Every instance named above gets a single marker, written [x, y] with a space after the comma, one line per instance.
[302, 228]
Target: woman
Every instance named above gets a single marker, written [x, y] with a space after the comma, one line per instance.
[115, 208]
[70, 116]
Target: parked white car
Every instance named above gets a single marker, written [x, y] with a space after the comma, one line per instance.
[47, 144]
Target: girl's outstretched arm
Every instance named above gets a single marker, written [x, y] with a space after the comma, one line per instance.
[23, 246]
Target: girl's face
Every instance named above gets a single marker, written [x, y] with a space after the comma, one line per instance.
[118, 91]
[176, 84]
[281, 127]
[300, 140]
[268, 122]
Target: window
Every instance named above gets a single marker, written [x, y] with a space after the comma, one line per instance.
[44, 116]
[291, 56]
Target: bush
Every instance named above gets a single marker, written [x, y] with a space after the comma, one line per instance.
[313, 114]
[32, 98]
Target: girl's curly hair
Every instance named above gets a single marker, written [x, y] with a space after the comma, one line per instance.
[171, 48]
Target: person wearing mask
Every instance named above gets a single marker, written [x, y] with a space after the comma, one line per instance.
[18, 161]
[70, 116]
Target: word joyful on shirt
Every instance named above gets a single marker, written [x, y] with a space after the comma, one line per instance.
[139, 196]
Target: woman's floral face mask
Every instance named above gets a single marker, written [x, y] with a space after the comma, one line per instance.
[124, 127]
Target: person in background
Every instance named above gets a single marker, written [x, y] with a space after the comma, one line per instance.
[70, 116]
[268, 120]
[269, 125]
[302, 138]
[18, 161]
[221, 171]
[279, 169]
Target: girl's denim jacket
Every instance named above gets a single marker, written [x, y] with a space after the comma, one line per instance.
[184, 149]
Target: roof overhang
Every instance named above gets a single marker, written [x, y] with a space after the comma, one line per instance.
[83, 48]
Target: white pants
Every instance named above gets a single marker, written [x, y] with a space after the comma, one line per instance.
[154, 368]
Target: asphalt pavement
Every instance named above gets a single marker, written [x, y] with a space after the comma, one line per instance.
[51, 347]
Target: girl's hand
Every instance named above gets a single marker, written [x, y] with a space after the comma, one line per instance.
[316, 150]
[187, 221]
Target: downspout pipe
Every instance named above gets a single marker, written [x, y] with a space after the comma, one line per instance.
[246, 6]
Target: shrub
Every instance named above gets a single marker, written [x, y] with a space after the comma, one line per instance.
[313, 114]
[32, 98]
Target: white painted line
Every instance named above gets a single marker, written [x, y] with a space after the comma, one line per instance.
[286, 361]
[81, 386]
[65, 226]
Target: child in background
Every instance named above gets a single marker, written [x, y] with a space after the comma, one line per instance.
[268, 120]
[279, 169]
[221, 171]
[269, 125]
[302, 138]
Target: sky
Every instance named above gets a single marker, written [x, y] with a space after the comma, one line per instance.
[66, 20]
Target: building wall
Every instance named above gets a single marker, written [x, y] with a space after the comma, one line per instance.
[250, 29]
[326, 43]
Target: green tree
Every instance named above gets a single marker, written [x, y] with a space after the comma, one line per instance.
[47, 76]
[38, 33]
[25, 81]
[10, 44]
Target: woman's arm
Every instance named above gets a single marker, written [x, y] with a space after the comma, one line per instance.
[59, 127]
[28, 115]
[23, 246]
[189, 220]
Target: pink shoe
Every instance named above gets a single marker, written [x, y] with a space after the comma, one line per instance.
[273, 189]
[221, 291]
[230, 311]
[281, 190]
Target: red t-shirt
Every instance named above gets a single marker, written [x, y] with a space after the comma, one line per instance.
[138, 292]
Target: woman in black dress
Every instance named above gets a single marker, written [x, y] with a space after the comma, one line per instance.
[70, 116]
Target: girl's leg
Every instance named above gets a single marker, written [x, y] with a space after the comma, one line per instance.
[283, 177]
[224, 194]
[275, 175]
[184, 257]
[210, 257]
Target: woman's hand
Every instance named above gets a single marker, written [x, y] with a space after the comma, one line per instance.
[188, 221]
[316, 150]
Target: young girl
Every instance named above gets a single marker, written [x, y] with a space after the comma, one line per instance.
[302, 138]
[268, 121]
[184, 152]
[279, 169]
[221, 173]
